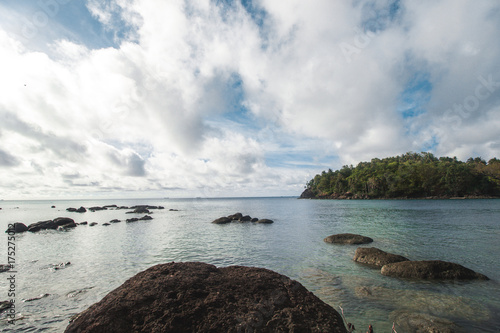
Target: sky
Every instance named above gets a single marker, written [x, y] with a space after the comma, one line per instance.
[219, 98]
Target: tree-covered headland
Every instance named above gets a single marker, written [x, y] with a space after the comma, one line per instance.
[411, 175]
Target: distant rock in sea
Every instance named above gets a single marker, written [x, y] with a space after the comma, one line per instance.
[238, 217]
[198, 297]
[17, 227]
[350, 239]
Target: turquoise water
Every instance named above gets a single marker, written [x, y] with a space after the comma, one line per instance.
[103, 257]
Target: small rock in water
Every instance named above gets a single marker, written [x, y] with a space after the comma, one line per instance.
[348, 239]
[4, 305]
[93, 224]
[4, 268]
[36, 298]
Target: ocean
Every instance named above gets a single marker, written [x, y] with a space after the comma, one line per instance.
[49, 291]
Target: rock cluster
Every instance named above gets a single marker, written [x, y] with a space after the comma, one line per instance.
[238, 217]
[61, 223]
[198, 297]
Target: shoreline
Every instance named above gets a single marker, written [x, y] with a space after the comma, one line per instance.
[343, 197]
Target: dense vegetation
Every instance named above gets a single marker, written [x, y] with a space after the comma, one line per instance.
[412, 175]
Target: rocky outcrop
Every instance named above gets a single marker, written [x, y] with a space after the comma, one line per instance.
[197, 297]
[97, 208]
[431, 270]
[307, 194]
[376, 257]
[348, 239]
[17, 228]
[144, 218]
[63, 222]
[238, 217]
[79, 210]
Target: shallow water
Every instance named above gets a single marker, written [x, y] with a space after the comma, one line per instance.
[103, 257]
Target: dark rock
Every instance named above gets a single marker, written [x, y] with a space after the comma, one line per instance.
[161, 207]
[173, 210]
[376, 257]
[245, 218]
[348, 239]
[140, 210]
[307, 194]
[81, 210]
[84, 223]
[145, 218]
[92, 224]
[97, 208]
[114, 221]
[265, 221]
[109, 206]
[4, 268]
[431, 270]
[64, 221]
[254, 219]
[197, 297]
[4, 305]
[123, 207]
[236, 216]
[71, 209]
[222, 220]
[134, 219]
[17, 227]
[52, 206]
[42, 225]
[106, 224]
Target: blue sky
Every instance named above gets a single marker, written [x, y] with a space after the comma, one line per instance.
[236, 98]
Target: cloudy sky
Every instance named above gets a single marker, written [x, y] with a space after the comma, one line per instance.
[200, 98]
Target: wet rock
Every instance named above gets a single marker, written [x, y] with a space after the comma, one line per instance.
[140, 210]
[376, 257]
[197, 297]
[110, 206]
[348, 239]
[4, 268]
[92, 224]
[173, 210]
[52, 206]
[42, 225]
[17, 227]
[145, 218]
[254, 219]
[64, 223]
[245, 218]
[106, 224]
[431, 270]
[265, 221]
[4, 305]
[134, 219]
[71, 209]
[97, 208]
[236, 216]
[115, 221]
[36, 298]
[222, 220]
[81, 210]
[84, 223]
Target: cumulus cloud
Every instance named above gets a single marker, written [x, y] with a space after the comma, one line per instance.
[227, 98]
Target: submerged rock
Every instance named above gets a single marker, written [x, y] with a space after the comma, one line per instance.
[265, 221]
[431, 270]
[115, 221]
[376, 257]
[4, 268]
[198, 297]
[422, 322]
[348, 239]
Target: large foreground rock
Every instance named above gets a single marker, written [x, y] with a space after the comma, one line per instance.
[376, 257]
[348, 239]
[197, 297]
[431, 270]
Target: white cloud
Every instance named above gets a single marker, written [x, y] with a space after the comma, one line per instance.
[162, 111]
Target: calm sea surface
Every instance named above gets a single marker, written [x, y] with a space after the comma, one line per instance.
[103, 257]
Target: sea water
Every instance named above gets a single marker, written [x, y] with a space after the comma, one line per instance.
[48, 294]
